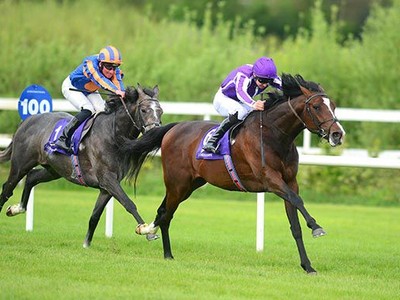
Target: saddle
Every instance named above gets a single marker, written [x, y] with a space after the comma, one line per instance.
[224, 143]
[224, 151]
[76, 138]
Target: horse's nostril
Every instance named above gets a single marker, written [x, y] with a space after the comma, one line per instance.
[336, 135]
[336, 138]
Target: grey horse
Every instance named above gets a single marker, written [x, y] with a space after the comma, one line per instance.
[100, 162]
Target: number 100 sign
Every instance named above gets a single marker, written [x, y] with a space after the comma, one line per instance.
[34, 100]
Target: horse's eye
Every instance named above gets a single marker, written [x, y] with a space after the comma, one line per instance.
[317, 107]
[143, 110]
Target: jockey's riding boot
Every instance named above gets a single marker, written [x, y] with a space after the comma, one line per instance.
[212, 143]
[64, 141]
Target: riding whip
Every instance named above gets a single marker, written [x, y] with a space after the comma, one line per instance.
[101, 93]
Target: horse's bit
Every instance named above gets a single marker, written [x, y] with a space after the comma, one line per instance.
[321, 132]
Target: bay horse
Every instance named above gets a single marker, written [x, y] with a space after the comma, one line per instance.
[101, 163]
[263, 153]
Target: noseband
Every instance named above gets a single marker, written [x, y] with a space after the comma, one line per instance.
[321, 132]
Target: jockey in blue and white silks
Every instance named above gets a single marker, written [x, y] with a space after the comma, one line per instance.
[234, 98]
[81, 87]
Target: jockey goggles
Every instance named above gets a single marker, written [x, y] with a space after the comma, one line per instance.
[110, 66]
[264, 80]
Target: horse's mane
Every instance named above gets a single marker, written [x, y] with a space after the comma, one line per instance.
[114, 102]
[290, 89]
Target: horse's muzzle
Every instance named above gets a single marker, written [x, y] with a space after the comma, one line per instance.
[336, 138]
[147, 127]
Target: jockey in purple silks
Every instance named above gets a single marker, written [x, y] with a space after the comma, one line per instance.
[234, 98]
[100, 71]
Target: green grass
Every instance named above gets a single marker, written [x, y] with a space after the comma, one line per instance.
[214, 246]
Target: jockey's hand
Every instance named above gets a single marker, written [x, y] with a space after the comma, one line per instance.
[258, 105]
[120, 93]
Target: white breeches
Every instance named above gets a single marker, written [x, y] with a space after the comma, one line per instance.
[226, 106]
[93, 102]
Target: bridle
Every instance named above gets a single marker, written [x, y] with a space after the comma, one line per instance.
[138, 115]
[320, 131]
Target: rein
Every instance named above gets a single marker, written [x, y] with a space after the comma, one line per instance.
[261, 136]
[128, 113]
[109, 93]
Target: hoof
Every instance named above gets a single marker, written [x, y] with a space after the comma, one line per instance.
[310, 270]
[14, 210]
[86, 245]
[152, 237]
[312, 273]
[318, 232]
[9, 212]
[142, 229]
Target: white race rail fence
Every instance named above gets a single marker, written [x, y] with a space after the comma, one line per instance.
[308, 155]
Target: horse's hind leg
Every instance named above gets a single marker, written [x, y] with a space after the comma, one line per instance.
[33, 178]
[163, 220]
[8, 188]
[166, 211]
[15, 176]
[101, 203]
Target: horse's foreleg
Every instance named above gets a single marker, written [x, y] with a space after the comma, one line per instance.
[295, 228]
[111, 185]
[98, 209]
[317, 230]
[291, 195]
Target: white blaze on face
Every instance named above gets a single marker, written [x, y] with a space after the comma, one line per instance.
[327, 102]
[154, 108]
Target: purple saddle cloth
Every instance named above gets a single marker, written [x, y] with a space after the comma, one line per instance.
[50, 147]
[223, 148]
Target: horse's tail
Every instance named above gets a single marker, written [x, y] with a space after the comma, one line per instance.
[5, 155]
[140, 149]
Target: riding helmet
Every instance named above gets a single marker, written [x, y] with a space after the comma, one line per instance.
[110, 54]
[264, 67]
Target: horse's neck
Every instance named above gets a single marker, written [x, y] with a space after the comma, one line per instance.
[284, 122]
[123, 125]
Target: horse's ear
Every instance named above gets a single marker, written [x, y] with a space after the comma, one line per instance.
[139, 89]
[305, 91]
[156, 91]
